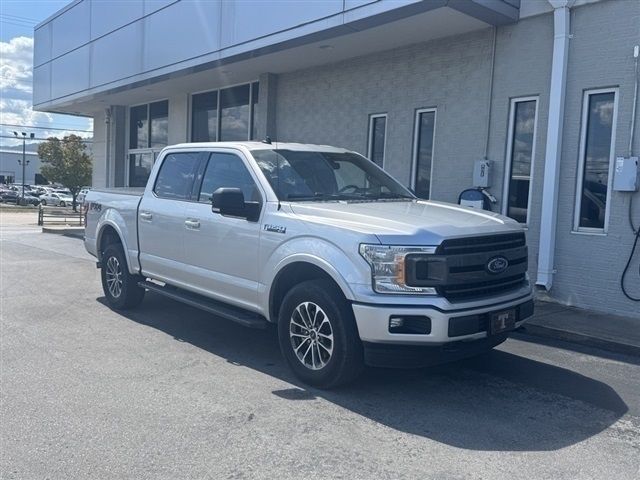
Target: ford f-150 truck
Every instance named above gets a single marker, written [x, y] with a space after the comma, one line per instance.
[350, 266]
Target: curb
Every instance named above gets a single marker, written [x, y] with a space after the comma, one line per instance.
[581, 339]
[68, 232]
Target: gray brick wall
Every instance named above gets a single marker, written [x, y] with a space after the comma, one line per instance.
[600, 55]
[331, 105]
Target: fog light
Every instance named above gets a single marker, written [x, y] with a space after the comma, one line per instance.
[396, 322]
[410, 324]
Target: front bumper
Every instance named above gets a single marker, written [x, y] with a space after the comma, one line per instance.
[446, 325]
[454, 334]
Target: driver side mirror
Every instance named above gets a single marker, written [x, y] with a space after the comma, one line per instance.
[230, 202]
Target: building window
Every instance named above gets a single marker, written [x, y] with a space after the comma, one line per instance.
[424, 134]
[519, 162]
[255, 91]
[225, 115]
[204, 117]
[377, 138]
[599, 112]
[148, 134]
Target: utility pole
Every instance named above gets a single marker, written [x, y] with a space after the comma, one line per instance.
[24, 162]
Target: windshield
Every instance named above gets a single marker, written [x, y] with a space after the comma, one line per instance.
[316, 176]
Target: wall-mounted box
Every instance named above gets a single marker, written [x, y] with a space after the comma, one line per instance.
[481, 173]
[625, 174]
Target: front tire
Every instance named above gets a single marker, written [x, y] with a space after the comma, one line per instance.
[318, 335]
[44, 203]
[120, 287]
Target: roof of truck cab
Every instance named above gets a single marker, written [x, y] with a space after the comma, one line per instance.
[302, 147]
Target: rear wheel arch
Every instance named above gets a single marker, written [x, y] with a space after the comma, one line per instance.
[108, 236]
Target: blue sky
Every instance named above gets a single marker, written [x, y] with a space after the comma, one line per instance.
[17, 19]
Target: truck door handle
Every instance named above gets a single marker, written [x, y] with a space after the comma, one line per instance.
[146, 216]
[192, 223]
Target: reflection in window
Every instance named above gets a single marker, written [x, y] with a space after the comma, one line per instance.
[204, 117]
[255, 89]
[138, 127]
[176, 175]
[139, 168]
[159, 124]
[226, 115]
[596, 158]
[234, 113]
[425, 129]
[377, 134]
[522, 140]
[144, 133]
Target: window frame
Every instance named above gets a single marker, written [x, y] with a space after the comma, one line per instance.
[508, 164]
[586, 96]
[372, 117]
[416, 140]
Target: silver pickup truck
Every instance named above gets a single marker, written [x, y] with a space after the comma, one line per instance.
[350, 266]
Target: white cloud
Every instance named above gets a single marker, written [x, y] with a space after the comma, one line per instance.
[16, 86]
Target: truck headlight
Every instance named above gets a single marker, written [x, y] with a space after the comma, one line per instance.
[388, 268]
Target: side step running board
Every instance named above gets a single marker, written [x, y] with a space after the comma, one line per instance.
[238, 315]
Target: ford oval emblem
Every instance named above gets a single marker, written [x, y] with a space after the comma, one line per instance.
[497, 264]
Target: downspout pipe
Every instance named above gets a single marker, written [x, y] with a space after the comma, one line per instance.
[553, 152]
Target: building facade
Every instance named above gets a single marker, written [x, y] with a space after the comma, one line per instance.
[11, 167]
[543, 89]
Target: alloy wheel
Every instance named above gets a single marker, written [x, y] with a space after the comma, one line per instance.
[311, 335]
[114, 277]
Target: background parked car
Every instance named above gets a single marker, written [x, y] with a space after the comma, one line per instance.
[81, 195]
[8, 196]
[29, 199]
[56, 199]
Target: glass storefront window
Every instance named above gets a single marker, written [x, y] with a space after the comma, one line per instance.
[139, 168]
[159, 124]
[138, 127]
[204, 117]
[234, 113]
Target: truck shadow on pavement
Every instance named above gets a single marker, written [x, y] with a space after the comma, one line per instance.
[496, 402]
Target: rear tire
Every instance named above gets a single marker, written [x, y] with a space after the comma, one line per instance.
[120, 287]
[63, 204]
[318, 335]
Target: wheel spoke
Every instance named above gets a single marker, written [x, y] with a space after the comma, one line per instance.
[328, 350]
[298, 325]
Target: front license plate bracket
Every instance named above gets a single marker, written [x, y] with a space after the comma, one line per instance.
[502, 321]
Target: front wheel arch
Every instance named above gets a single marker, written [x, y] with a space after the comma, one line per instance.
[291, 275]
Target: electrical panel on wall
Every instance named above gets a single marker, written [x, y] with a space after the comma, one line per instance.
[481, 173]
[625, 175]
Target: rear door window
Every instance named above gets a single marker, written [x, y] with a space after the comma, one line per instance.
[177, 174]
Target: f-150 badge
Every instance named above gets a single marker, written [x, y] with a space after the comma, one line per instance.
[275, 228]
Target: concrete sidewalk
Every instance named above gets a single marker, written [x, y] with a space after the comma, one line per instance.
[608, 332]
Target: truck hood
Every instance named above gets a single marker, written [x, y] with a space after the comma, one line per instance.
[418, 222]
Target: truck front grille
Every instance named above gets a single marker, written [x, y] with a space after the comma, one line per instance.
[459, 269]
[488, 243]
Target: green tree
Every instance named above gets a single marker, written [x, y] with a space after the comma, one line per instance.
[67, 162]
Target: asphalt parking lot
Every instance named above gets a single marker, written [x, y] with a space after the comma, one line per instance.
[167, 392]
